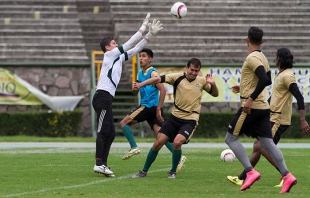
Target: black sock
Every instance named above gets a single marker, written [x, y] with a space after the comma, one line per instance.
[98, 162]
[242, 176]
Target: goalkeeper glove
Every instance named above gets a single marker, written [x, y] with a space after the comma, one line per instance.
[145, 22]
[154, 28]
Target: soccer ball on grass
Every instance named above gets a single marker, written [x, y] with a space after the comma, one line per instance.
[227, 155]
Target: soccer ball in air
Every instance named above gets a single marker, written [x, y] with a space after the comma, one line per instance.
[179, 10]
[227, 155]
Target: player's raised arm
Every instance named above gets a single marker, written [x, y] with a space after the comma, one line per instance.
[214, 90]
[145, 23]
[154, 28]
[138, 35]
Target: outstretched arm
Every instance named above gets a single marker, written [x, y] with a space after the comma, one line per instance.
[214, 90]
[154, 28]
[138, 35]
[149, 81]
[235, 88]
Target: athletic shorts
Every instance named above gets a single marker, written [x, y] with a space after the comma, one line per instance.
[277, 131]
[256, 124]
[174, 126]
[143, 113]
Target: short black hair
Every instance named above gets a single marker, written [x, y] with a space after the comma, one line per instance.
[148, 51]
[255, 35]
[105, 42]
[194, 61]
[286, 58]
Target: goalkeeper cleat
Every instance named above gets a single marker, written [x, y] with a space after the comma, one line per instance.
[251, 177]
[288, 182]
[281, 183]
[105, 170]
[235, 180]
[181, 162]
[131, 152]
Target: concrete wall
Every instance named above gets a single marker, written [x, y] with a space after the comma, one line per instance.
[57, 81]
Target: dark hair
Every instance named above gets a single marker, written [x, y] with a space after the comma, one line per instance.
[255, 35]
[105, 42]
[194, 61]
[286, 58]
[148, 51]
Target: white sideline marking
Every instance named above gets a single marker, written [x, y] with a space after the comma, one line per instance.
[79, 185]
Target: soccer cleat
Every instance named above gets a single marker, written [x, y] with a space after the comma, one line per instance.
[181, 162]
[139, 174]
[281, 183]
[251, 177]
[172, 175]
[105, 170]
[288, 182]
[235, 180]
[131, 152]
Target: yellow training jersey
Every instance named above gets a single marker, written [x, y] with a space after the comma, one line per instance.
[188, 96]
[249, 79]
[281, 98]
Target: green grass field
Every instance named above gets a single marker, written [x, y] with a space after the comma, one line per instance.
[67, 172]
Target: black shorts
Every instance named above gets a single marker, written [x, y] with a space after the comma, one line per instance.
[174, 126]
[256, 124]
[143, 113]
[277, 131]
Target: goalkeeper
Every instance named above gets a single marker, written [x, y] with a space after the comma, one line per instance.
[110, 75]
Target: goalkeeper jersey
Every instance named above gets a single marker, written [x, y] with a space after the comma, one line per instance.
[111, 68]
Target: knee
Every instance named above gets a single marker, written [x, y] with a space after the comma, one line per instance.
[157, 145]
[230, 138]
[178, 142]
[122, 123]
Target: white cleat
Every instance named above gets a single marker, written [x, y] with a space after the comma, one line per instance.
[105, 170]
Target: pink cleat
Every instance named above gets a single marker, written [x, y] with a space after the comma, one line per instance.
[251, 177]
[288, 182]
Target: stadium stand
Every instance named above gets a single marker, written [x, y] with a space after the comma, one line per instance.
[215, 31]
[96, 22]
[41, 31]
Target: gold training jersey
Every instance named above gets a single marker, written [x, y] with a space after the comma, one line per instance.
[281, 98]
[249, 80]
[188, 96]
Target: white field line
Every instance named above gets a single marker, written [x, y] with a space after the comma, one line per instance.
[78, 185]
